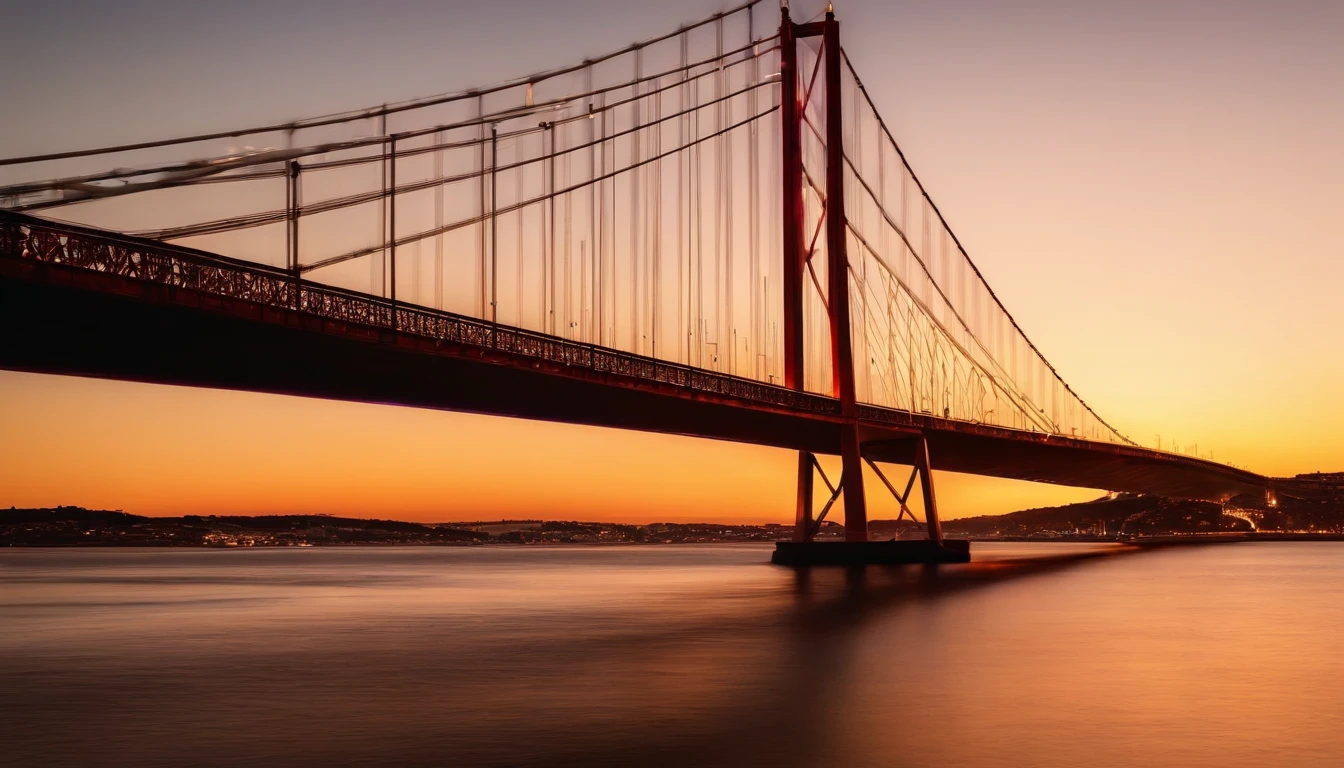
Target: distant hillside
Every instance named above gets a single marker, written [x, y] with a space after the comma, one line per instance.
[75, 526]
[1108, 516]
[1320, 509]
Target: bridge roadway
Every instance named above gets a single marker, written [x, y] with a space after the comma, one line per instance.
[87, 302]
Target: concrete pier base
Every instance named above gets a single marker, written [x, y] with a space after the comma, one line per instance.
[870, 552]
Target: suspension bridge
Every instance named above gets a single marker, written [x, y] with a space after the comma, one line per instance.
[709, 233]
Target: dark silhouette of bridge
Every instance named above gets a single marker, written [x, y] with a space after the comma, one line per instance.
[711, 233]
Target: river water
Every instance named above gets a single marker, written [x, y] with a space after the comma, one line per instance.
[1034, 655]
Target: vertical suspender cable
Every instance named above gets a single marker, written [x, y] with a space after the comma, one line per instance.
[656, 284]
[600, 253]
[438, 223]
[494, 235]
[543, 214]
[730, 320]
[569, 245]
[294, 202]
[585, 287]
[753, 213]
[636, 219]
[480, 230]
[392, 224]
[590, 278]
[551, 200]
[682, 163]
[720, 328]
[376, 277]
[698, 278]
[518, 179]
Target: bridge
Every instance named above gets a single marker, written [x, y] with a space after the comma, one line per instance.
[710, 233]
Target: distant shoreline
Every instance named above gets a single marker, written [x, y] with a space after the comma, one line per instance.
[1125, 520]
[1171, 540]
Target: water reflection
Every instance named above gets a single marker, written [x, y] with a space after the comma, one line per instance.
[665, 656]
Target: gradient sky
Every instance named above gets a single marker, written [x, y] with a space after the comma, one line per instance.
[1154, 190]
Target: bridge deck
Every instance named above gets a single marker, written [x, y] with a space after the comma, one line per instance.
[86, 302]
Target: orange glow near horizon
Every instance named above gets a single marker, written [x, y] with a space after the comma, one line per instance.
[164, 450]
[1152, 189]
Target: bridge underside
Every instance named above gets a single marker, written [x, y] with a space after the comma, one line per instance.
[154, 334]
[1040, 458]
[57, 319]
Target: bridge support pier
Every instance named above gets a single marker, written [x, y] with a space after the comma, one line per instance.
[802, 525]
[926, 486]
[850, 484]
[859, 551]
[856, 506]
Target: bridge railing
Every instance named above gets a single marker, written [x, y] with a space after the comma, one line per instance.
[35, 239]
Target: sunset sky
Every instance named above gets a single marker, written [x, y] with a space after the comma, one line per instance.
[1153, 188]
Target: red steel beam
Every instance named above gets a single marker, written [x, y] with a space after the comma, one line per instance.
[793, 256]
[792, 152]
[842, 355]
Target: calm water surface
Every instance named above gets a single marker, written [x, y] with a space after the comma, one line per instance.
[1035, 655]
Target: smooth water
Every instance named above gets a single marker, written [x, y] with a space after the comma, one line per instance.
[1035, 655]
